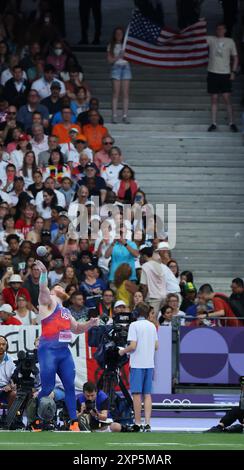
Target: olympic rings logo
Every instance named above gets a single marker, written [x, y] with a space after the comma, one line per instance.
[176, 401]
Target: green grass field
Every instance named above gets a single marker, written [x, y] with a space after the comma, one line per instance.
[128, 441]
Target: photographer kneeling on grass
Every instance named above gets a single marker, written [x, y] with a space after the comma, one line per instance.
[143, 339]
[93, 410]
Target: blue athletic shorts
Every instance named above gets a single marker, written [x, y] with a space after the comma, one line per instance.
[141, 381]
[121, 72]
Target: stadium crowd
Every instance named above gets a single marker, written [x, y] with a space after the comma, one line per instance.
[56, 155]
[63, 178]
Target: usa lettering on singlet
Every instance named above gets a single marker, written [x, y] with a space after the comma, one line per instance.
[56, 327]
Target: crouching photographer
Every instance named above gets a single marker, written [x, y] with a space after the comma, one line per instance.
[236, 413]
[93, 412]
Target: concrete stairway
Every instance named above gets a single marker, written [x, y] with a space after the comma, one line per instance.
[176, 161]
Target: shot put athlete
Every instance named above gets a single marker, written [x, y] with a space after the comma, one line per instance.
[53, 353]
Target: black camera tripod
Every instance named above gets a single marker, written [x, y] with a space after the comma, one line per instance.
[15, 412]
[108, 381]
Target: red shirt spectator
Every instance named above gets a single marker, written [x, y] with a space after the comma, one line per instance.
[221, 304]
[10, 294]
[6, 315]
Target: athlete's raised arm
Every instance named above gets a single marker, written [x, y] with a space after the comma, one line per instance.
[44, 292]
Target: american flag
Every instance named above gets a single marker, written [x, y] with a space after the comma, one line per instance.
[147, 43]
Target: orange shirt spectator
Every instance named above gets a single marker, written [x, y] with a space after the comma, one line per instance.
[94, 132]
[61, 131]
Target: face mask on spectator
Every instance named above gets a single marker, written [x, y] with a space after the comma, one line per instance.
[58, 51]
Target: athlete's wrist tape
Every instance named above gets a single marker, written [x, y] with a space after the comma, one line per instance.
[43, 278]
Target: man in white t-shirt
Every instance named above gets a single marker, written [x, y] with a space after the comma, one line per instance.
[143, 339]
[222, 67]
[157, 280]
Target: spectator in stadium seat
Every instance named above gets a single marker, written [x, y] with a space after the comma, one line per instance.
[23, 313]
[95, 184]
[94, 131]
[137, 298]
[32, 284]
[28, 60]
[39, 141]
[7, 316]
[16, 88]
[189, 295]
[83, 118]
[53, 102]
[220, 305]
[165, 315]
[57, 56]
[77, 307]
[122, 251]
[29, 168]
[237, 286]
[61, 131]
[164, 252]
[120, 74]
[124, 287]
[92, 288]
[173, 301]
[56, 168]
[8, 127]
[173, 266]
[34, 235]
[69, 277]
[25, 112]
[43, 157]
[126, 187]
[81, 100]
[110, 172]
[14, 290]
[102, 158]
[43, 85]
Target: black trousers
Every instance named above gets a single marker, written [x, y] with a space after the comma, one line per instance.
[85, 7]
[232, 415]
[188, 12]
[230, 9]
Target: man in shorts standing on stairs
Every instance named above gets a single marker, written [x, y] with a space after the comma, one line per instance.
[222, 67]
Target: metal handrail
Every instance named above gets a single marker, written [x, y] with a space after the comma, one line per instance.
[194, 406]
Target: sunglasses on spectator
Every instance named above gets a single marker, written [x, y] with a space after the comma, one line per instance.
[108, 143]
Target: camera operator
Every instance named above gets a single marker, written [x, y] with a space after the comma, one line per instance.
[92, 408]
[236, 413]
[7, 367]
[141, 332]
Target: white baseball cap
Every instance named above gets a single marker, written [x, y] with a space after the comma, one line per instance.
[120, 303]
[15, 278]
[6, 308]
[162, 246]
